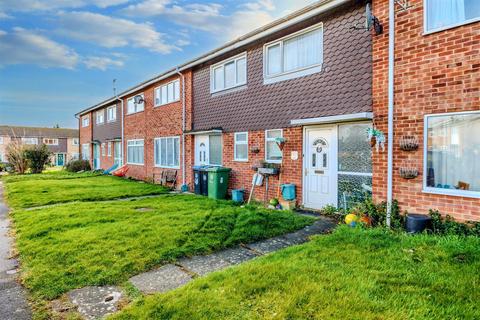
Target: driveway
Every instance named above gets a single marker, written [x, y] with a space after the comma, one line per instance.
[13, 304]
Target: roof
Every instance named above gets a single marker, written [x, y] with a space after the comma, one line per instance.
[38, 132]
[275, 26]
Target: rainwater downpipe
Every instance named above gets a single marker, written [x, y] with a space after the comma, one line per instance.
[184, 125]
[123, 121]
[391, 102]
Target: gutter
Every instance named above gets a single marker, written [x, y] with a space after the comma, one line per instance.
[184, 127]
[391, 105]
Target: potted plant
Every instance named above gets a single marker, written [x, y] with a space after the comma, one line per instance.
[377, 138]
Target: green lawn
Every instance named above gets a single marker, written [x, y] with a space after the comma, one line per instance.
[45, 189]
[76, 245]
[49, 175]
[351, 274]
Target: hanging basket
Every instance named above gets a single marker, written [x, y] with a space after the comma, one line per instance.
[408, 143]
[408, 173]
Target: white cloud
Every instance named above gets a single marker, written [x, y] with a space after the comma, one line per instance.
[111, 32]
[102, 63]
[4, 16]
[47, 5]
[26, 47]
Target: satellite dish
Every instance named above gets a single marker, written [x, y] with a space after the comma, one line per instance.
[138, 99]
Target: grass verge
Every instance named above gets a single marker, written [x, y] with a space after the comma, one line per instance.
[350, 274]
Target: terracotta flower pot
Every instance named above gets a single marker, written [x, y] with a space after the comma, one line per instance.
[373, 141]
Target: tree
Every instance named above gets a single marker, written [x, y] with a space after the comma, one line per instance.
[16, 157]
[38, 156]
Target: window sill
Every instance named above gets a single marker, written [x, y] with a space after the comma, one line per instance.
[428, 32]
[229, 90]
[292, 75]
[452, 192]
[135, 164]
[112, 121]
[100, 124]
[166, 104]
[240, 160]
[166, 167]
[132, 113]
[273, 161]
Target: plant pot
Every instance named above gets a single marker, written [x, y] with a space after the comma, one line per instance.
[373, 141]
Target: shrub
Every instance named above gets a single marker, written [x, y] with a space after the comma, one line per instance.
[378, 213]
[78, 165]
[449, 226]
[16, 157]
[37, 156]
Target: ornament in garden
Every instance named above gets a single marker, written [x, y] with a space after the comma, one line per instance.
[377, 138]
[351, 219]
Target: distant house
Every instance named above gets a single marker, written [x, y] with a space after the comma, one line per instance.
[63, 143]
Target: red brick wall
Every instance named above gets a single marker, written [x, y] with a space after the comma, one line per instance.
[86, 135]
[434, 73]
[242, 172]
[155, 122]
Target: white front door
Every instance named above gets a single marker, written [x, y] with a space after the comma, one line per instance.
[320, 167]
[201, 150]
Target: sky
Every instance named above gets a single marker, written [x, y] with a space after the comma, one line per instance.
[58, 57]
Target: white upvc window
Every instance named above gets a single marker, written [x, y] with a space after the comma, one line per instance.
[86, 151]
[135, 151]
[75, 141]
[100, 116]
[451, 152]
[240, 152]
[112, 114]
[50, 142]
[133, 107]
[167, 152]
[30, 140]
[229, 74]
[446, 14]
[109, 148]
[2, 157]
[85, 121]
[75, 156]
[273, 154]
[1, 140]
[167, 93]
[102, 147]
[294, 56]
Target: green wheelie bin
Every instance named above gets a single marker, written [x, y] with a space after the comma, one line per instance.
[218, 182]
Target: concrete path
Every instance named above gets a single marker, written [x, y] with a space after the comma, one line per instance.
[97, 302]
[13, 303]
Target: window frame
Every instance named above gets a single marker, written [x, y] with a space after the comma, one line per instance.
[1, 140]
[155, 163]
[86, 119]
[102, 114]
[133, 98]
[134, 163]
[270, 139]
[426, 31]
[159, 89]
[109, 149]
[114, 113]
[235, 142]
[300, 72]
[45, 141]
[24, 139]
[222, 64]
[85, 156]
[75, 142]
[433, 190]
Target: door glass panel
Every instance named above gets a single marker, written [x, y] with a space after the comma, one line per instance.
[353, 189]
[215, 152]
[324, 160]
[314, 160]
[354, 151]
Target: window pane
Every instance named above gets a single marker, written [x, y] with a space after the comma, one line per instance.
[170, 92]
[164, 95]
[176, 157]
[218, 78]
[353, 190]
[272, 134]
[169, 152]
[241, 71]
[157, 152]
[140, 106]
[131, 106]
[453, 147]
[163, 160]
[241, 137]
[303, 51]
[274, 59]
[158, 96]
[450, 12]
[215, 150]
[354, 151]
[230, 74]
[241, 152]
[177, 90]
[273, 151]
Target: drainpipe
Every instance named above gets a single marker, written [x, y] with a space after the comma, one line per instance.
[123, 121]
[184, 127]
[391, 79]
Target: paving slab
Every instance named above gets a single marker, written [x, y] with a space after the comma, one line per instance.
[236, 255]
[203, 265]
[13, 302]
[269, 245]
[95, 302]
[163, 279]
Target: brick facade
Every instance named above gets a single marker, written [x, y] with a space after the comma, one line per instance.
[86, 136]
[434, 73]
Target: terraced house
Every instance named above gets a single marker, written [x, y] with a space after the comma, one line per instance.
[314, 95]
[63, 143]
